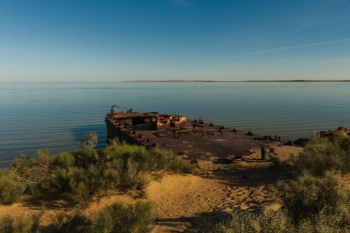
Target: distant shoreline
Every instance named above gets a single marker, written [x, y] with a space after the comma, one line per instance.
[186, 81]
[245, 81]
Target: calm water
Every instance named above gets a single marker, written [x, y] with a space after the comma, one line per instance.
[56, 116]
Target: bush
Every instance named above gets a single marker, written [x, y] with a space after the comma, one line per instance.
[114, 218]
[310, 195]
[169, 161]
[22, 164]
[30, 171]
[137, 160]
[148, 160]
[324, 223]
[10, 190]
[87, 171]
[317, 201]
[279, 164]
[62, 160]
[324, 154]
[268, 221]
[9, 224]
[73, 222]
[126, 219]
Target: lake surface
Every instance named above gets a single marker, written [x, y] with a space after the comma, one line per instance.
[56, 116]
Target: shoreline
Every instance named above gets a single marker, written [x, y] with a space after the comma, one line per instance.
[243, 81]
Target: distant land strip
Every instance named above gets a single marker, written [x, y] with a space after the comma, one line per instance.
[244, 81]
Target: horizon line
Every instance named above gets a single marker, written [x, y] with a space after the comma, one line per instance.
[264, 80]
[186, 81]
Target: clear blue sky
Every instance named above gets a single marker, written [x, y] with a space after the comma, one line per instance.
[111, 40]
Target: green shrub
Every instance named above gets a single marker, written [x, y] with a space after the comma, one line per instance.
[84, 158]
[169, 161]
[280, 221]
[268, 221]
[9, 224]
[87, 171]
[55, 183]
[23, 163]
[62, 160]
[324, 154]
[147, 160]
[317, 201]
[324, 223]
[10, 190]
[126, 219]
[136, 161]
[30, 171]
[310, 195]
[343, 142]
[76, 222]
[279, 164]
[114, 218]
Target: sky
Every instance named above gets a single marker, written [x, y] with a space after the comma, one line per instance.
[228, 40]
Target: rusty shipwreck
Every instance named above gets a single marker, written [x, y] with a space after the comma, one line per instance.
[201, 140]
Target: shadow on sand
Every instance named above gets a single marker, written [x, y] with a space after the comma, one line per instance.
[189, 224]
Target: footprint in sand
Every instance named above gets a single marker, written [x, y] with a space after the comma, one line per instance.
[243, 206]
[240, 198]
[259, 199]
[240, 193]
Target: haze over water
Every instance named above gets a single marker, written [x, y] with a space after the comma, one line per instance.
[56, 116]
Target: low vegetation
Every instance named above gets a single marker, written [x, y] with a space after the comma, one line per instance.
[309, 195]
[10, 189]
[324, 154]
[268, 221]
[87, 172]
[126, 219]
[21, 224]
[114, 218]
[75, 221]
[83, 174]
[317, 200]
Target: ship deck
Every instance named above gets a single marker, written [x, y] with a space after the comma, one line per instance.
[198, 140]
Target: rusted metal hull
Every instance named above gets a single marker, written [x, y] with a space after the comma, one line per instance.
[198, 139]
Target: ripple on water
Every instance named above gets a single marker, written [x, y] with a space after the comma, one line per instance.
[56, 116]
